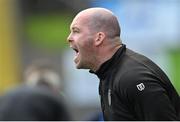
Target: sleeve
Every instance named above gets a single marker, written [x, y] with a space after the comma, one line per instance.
[147, 98]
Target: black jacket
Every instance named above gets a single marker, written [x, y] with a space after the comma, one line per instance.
[132, 87]
[32, 104]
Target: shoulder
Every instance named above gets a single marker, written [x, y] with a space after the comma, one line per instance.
[26, 92]
[25, 95]
[28, 103]
[135, 69]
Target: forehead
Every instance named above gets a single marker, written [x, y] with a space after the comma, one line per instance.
[79, 21]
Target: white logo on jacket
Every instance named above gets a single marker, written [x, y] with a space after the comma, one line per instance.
[140, 86]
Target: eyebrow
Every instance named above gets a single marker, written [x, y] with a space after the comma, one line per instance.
[75, 28]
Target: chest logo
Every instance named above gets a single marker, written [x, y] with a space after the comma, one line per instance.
[140, 87]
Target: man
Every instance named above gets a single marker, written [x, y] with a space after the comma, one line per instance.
[131, 86]
[37, 100]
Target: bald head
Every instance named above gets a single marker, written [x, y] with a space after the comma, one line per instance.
[101, 19]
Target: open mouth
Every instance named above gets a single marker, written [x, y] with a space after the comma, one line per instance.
[76, 50]
[76, 54]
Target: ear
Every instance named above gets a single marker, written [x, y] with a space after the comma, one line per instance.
[99, 38]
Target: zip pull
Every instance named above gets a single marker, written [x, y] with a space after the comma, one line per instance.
[109, 97]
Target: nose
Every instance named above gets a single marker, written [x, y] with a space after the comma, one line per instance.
[69, 38]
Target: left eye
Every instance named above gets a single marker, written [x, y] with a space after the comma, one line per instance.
[75, 31]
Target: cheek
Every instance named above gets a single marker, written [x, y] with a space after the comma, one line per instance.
[87, 50]
[85, 44]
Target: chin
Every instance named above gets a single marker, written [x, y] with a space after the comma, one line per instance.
[80, 66]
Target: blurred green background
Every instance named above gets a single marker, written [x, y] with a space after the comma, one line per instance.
[48, 31]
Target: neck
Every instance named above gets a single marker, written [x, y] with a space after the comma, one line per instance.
[105, 56]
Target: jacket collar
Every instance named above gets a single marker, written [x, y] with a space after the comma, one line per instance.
[109, 64]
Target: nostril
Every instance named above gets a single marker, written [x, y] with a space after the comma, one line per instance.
[70, 40]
